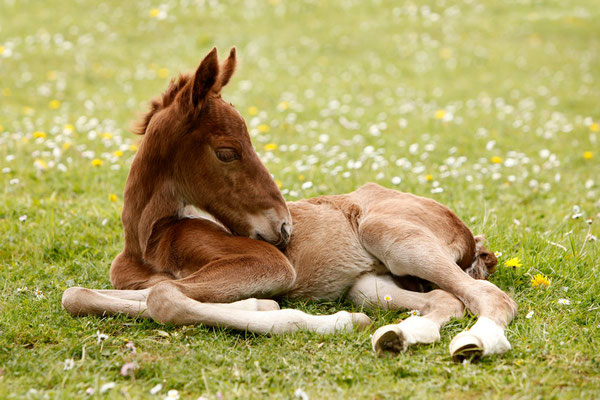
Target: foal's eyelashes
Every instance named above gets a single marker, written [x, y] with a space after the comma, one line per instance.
[227, 155]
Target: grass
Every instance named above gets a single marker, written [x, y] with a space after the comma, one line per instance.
[488, 107]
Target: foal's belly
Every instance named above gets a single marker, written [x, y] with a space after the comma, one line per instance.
[325, 252]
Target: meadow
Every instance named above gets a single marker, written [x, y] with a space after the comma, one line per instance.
[492, 108]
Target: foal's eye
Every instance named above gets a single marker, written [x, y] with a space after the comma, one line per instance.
[227, 155]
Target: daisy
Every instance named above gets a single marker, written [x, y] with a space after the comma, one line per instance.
[69, 364]
[529, 315]
[100, 337]
[564, 302]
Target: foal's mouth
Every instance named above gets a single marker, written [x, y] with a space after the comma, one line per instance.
[281, 244]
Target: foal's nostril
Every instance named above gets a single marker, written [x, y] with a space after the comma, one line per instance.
[285, 234]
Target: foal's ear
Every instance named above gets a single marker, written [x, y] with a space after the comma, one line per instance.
[227, 69]
[205, 77]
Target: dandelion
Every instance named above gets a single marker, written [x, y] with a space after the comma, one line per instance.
[163, 73]
[252, 110]
[414, 313]
[564, 302]
[154, 12]
[428, 177]
[172, 395]
[439, 114]
[96, 162]
[23, 218]
[107, 135]
[69, 364]
[40, 165]
[112, 197]
[539, 281]
[513, 262]
[54, 104]
[156, 389]
[496, 160]
[118, 153]
[594, 127]
[100, 337]
[270, 146]
[264, 128]
[39, 134]
[284, 105]
[529, 315]
[66, 145]
[588, 155]
[133, 148]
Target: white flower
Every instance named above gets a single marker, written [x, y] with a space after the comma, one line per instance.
[564, 302]
[89, 391]
[14, 181]
[69, 364]
[301, 394]
[100, 337]
[38, 294]
[498, 254]
[107, 386]
[529, 315]
[396, 180]
[172, 395]
[156, 389]
[387, 298]
[414, 313]
[307, 185]
[23, 218]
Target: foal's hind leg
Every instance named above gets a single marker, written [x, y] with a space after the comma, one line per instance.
[188, 301]
[420, 254]
[436, 308]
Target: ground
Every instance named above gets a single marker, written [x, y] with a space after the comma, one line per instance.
[488, 107]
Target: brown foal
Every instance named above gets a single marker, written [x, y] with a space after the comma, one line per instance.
[180, 266]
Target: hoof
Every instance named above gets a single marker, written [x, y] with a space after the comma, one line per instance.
[389, 340]
[466, 346]
[361, 321]
[267, 305]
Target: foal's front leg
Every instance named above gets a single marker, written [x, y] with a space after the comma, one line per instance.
[435, 307]
[189, 300]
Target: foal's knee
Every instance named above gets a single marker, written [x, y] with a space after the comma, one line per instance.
[161, 303]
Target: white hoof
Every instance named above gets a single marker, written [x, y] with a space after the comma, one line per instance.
[484, 338]
[397, 337]
[388, 340]
[267, 305]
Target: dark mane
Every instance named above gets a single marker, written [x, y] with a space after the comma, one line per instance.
[164, 101]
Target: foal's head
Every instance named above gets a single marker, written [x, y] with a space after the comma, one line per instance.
[204, 146]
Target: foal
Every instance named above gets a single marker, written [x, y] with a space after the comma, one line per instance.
[196, 155]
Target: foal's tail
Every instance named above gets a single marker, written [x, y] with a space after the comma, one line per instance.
[484, 261]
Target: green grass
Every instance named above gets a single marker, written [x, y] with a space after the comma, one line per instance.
[516, 80]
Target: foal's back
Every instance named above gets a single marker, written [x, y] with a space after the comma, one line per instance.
[327, 248]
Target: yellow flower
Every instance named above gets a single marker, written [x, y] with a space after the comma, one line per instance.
[595, 127]
[284, 105]
[39, 134]
[163, 73]
[278, 183]
[496, 160]
[51, 75]
[428, 177]
[540, 281]
[1, 49]
[1, 128]
[107, 135]
[133, 147]
[252, 110]
[118, 153]
[69, 128]
[263, 128]
[96, 162]
[40, 164]
[439, 114]
[387, 298]
[112, 197]
[270, 146]
[66, 145]
[154, 12]
[301, 178]
[54, 104]
[513, 262]
[588, 155]
[6, 92]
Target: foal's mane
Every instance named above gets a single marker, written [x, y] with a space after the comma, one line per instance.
[162, 102]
